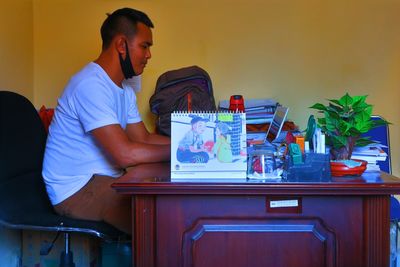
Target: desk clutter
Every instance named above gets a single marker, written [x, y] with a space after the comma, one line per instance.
[253, 139]
[287, 162]
[216, 144]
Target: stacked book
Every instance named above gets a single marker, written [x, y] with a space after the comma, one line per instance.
[372, 154]
[258, 111]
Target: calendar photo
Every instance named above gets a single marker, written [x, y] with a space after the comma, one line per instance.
[208, 145]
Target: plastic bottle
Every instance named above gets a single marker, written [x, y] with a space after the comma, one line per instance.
[236, 103]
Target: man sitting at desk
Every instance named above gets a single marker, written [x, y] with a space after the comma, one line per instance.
[97, 130]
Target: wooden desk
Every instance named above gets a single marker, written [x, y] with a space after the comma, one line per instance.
[342, 223]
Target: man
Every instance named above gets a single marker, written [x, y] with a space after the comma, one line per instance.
[97, 130]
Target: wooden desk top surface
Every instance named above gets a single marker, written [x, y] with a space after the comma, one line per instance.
[154, 179]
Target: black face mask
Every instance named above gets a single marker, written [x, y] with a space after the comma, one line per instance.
[126, 65]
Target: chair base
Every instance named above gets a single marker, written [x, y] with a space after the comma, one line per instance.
[67, 260]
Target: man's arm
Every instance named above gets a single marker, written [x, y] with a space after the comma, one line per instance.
[137, 132]
[125, 151]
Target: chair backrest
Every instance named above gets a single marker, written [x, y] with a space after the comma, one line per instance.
[22, 136]
[24, 203]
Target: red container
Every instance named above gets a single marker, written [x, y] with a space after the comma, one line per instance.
[340, 169]
[236, 103]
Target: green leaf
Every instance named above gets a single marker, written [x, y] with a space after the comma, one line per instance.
[364, 142]
[362, 117]
[334, 109]
[337, 102]
[346, 100]
[318, 106]
[368, 110]
[360, 104]
[331, 122]
[377, 123]
[343, 127]
[333, 116]
[364, 126]
[359, 100]
[354, 132]
[339, 141]
[321, 121]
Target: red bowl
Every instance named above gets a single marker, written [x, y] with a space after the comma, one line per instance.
[340, 169]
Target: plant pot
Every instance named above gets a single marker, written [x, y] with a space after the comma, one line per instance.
[338, 168]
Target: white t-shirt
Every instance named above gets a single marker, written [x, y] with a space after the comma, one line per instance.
[90, 100]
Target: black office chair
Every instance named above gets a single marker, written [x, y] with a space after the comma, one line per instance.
[24, 203]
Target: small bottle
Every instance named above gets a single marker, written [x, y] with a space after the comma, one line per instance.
[236, 103]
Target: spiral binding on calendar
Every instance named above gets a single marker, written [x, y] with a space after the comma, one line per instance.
[207, 112]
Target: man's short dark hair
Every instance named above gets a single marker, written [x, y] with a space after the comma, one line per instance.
[122, 21]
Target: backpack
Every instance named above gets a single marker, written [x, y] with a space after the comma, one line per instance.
[186, 89]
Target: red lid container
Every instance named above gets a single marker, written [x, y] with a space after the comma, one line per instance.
[236, 103]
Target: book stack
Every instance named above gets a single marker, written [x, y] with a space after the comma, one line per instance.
[372, 154]
[258, 111]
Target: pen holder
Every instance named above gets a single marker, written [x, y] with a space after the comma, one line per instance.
[316, 168]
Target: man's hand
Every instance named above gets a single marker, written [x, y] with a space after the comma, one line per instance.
[133, 146]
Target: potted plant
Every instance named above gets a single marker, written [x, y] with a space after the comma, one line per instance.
[344, 121]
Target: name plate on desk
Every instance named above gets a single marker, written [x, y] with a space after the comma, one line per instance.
[284, 205]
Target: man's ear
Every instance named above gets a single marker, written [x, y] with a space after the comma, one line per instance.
[120, 45]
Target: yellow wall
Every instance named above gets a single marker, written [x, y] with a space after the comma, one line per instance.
[298, 52]
[16, 74]
[16, 47]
